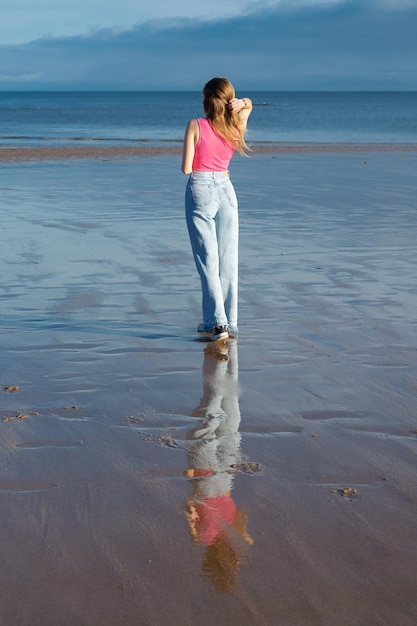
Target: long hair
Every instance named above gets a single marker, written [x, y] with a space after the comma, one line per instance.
[216, 95]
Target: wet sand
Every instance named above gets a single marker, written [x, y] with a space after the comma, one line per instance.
[27, 153]
[149, 478]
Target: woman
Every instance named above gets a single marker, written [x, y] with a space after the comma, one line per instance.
[211, 204]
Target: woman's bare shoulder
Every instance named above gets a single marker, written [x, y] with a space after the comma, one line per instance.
[193, 124]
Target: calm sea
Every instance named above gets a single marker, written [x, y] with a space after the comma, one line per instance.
[33, 118]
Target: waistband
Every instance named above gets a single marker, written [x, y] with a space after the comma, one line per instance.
[210, 175]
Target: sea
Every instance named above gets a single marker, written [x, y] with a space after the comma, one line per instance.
[133, 118]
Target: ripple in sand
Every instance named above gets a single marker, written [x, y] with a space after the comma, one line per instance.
[389, 433]
[73, 418]
[280, 433]
[56, 347]
[25, 487]
[135, 350]
[35, 445]
[384, 356]
[331, 415]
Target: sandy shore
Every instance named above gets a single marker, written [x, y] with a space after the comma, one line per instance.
[147, 478]
[111, 152]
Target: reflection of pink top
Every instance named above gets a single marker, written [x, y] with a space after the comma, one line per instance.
[212, 153]
[215, 515]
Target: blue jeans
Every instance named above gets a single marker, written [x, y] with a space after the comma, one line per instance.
[212, 219]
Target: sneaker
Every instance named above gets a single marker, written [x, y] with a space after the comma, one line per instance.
[233, 332]
[219, 332]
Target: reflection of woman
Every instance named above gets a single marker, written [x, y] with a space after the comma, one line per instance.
[213, 518]
[211, 205]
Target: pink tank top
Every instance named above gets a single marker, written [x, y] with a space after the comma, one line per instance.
[212, 153]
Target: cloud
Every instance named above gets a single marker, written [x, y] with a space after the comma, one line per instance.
[25, 20]
[339, 44]
[20, 78]
[396, 4]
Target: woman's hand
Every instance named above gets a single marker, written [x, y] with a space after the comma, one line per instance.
[242, 107]
[236, 104]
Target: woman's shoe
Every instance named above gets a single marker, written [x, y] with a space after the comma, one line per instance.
[219, 332]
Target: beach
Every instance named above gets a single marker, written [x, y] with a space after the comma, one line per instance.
[94, 151]
[122, 501]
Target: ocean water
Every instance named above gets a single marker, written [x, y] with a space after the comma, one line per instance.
[129, 118]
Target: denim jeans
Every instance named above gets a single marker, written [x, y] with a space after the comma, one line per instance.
[213, 225]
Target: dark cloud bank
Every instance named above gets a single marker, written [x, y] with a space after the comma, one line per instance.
[354, 44]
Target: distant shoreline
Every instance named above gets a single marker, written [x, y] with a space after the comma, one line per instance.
[109, 152]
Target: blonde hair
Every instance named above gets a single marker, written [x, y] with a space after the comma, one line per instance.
[216, 96]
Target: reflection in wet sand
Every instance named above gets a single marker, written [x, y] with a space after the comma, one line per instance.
[214, 520]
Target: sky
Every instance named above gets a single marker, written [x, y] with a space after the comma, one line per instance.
[179, 44]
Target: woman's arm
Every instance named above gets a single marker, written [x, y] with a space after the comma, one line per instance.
[191, 137]
[242, 106]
